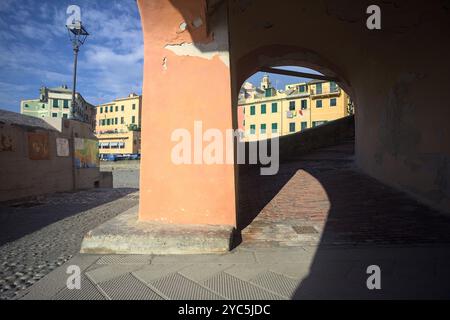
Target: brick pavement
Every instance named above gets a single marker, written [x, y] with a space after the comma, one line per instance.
[329, 202]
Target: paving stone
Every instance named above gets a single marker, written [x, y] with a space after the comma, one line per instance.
[233, 257]
[127, 287]
[88, 291]
[154, 272]
[236, 289]
[177, 287]
[111, 271]
[201, 272]
[291, 270]
[52, 284]
[283, 256]
[125, 259]
[278, 283]
[247, 271]
[36, 240]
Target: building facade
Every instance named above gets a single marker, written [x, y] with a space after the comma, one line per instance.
[56, 103]
[266, 112]
[118, 125]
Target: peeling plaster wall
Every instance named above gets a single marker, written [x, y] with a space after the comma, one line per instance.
[398, 77]
[186, 79]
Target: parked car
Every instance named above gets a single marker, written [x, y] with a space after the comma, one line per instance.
[108, 157]
[135, 156]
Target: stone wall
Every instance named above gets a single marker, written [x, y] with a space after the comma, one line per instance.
[24, 177]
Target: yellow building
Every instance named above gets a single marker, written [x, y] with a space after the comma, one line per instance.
[118, 125]
[266, 112]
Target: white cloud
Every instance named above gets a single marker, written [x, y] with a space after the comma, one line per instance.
[35, 48]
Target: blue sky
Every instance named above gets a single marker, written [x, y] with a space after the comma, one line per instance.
[280, 81]
[35, 50]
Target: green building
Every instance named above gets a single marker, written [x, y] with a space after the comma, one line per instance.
[56, 103]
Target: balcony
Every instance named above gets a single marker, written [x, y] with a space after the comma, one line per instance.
[325, 93]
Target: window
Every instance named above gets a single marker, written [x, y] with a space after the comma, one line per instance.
[116, 120]
[122, 108]
[291, 105]
[43, 106]
[66, 104]
[252, 129]
[133, 119]
[54, 115]
[108, 122]
[333, 102]
[117, 108]
[111, 109]
[292, 127]
[101, 109]
[263, 109]
[65, 116]
[122, 120]
[103, 122]
[274, 127]
[55, 103]
[304, 104]
[263, 128]
[134, 106]
[274, 107]
[106, 109]
[333, 87]
[319, 104]
[304, 125]
[252, 110]
[302, 88]
[318, 88]
[26, 105]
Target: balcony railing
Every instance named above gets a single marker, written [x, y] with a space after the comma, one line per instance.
[332, 92]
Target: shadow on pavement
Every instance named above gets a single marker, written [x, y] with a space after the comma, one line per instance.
[367, 223]
[22, 217]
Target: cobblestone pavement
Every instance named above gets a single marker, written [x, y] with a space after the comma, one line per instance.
[39, 235]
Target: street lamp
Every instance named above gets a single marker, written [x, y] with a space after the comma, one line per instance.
[77, 35]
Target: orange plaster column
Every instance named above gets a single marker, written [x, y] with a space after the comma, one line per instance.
[186, 79]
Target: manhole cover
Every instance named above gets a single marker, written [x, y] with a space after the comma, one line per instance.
[305, 229]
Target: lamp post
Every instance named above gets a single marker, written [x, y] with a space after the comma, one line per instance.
[77, 35]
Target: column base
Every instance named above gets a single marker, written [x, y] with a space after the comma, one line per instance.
[124, 234]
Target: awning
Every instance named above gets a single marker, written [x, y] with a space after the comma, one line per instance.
[104, 144]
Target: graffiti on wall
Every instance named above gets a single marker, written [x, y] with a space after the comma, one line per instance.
[86, 153]
[7, 142]
[38, 147]
[62, 147]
